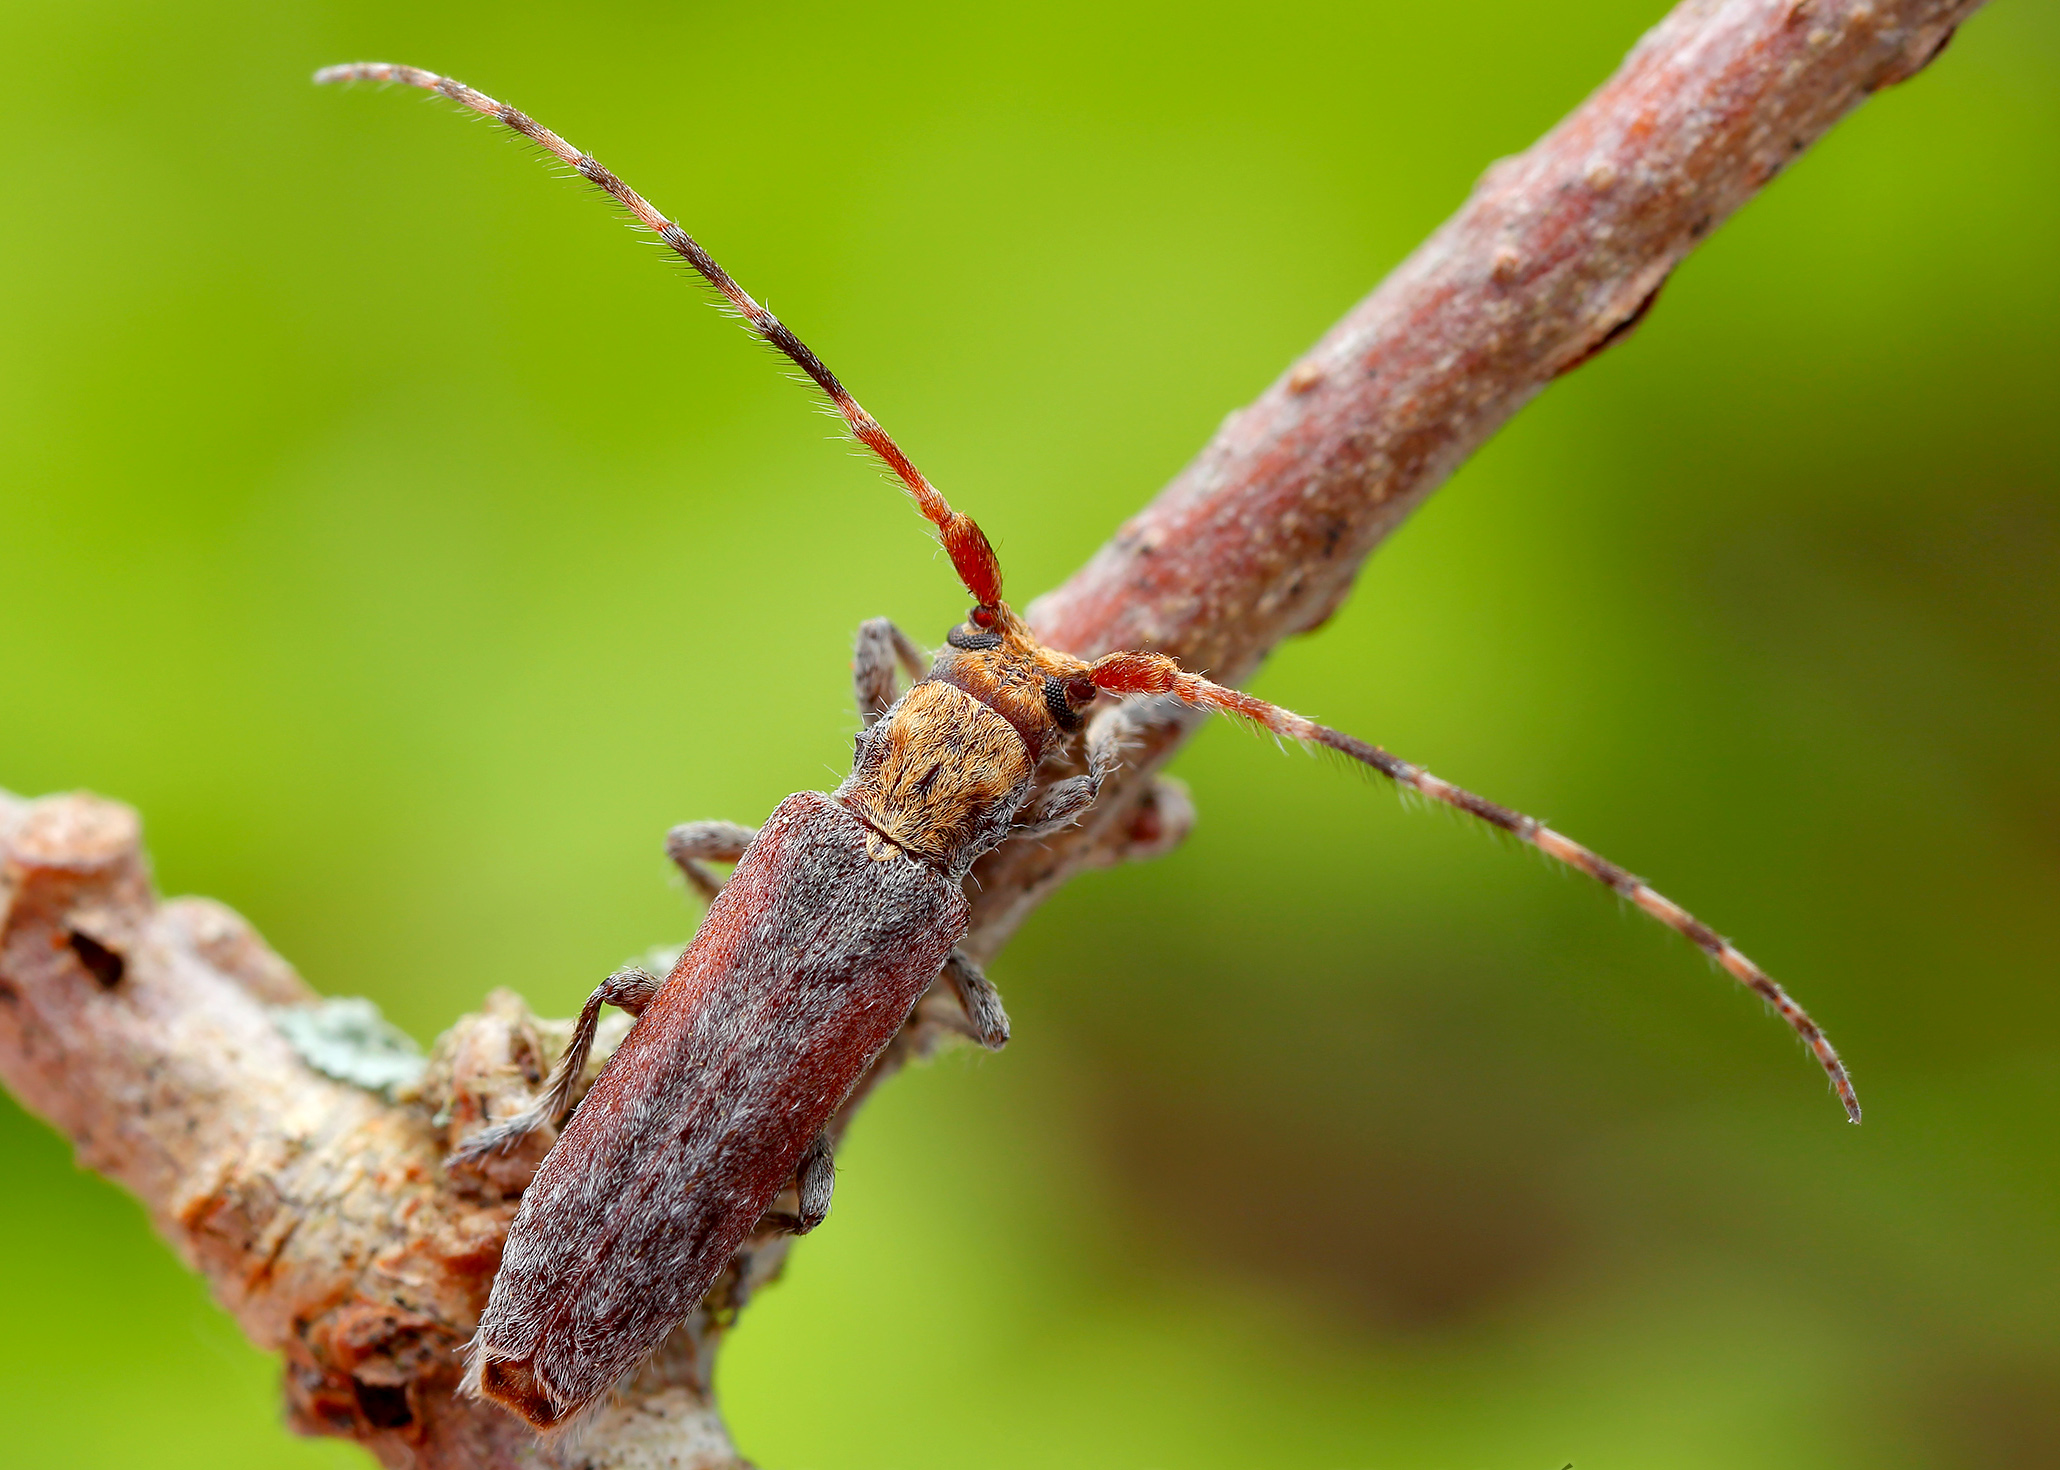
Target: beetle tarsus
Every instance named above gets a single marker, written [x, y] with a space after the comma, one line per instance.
[1058, 806]
[691, 844]
[986, 1021]
[1066, 801]
[815, 1180]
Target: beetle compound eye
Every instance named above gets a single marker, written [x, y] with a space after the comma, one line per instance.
[975, 634]
[1058, 705]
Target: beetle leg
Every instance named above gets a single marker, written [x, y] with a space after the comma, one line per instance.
[1064, 802]
[815, 1180]
[986, 1021]
[630, 990]
[1057, 807]
[691, 843]
[880, 646]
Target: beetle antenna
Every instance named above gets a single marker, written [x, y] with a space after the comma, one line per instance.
[968, 547]
[1153, 674]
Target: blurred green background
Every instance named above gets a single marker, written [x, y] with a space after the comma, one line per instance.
[413, 546]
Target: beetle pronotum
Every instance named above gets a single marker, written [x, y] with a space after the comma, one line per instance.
[841, 912]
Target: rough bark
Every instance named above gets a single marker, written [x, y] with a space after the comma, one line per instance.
[320, 1212]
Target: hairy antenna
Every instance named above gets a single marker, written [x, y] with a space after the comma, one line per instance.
[966, 544]
[1151, 674]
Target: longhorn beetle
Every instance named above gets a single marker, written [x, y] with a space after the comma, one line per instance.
[841, 912]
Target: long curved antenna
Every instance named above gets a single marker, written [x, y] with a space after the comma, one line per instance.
[967, 546]
[1150, 673]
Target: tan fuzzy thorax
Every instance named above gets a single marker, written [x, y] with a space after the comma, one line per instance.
[939, 777]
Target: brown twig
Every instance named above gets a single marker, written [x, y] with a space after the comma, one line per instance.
[321, 1213]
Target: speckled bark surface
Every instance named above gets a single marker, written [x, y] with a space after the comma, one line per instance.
[321, 1214]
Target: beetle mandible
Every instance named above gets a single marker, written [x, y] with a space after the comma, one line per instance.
[841, 912]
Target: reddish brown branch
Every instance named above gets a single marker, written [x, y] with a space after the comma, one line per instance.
[321, 1214]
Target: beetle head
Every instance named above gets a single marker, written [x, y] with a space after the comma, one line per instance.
[995, 657]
